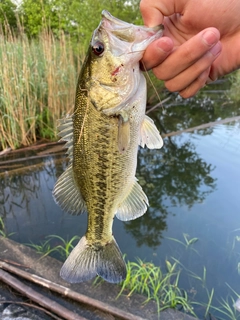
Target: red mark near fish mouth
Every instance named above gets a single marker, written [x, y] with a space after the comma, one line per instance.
[115, 72]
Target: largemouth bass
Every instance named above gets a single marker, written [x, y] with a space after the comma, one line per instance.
[103, 135]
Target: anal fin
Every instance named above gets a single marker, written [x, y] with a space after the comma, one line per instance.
[134, 205]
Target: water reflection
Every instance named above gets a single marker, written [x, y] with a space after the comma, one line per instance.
[192, 184]
[208, 106]
[173, 176]
[26, 202]
[19, 187]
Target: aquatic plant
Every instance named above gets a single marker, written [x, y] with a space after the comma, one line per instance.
[226, 310]
[149, 280]
[44, 248]
[187, 243]
[156, 283]
[62, 248]
[233, 93]
[3, 231]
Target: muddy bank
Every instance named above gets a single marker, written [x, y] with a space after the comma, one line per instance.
[48, 268]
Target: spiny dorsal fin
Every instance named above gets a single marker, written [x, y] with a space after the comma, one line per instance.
[65, 128]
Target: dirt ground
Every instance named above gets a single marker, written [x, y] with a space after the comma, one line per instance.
[48, 268]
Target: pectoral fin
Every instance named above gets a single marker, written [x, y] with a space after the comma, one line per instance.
[67, 195]
[134, 205]
[150, 135]
[123, 134]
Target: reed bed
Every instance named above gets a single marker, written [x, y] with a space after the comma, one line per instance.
[233, 93]
[37, 85]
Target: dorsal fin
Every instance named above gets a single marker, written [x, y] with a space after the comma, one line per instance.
[66, 193]
[65, 128]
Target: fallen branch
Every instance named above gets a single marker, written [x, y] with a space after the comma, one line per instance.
[29, 158]
[38, 298]
[36, 146]
[70, 293]
[30, 305]
[23, 168]
[202, 126]
[11, 262]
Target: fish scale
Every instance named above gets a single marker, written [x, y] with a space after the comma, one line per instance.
[108, 125]
[96, 180]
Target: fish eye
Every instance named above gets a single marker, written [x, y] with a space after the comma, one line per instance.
[98, 48]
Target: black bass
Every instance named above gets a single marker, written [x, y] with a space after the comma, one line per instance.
[103, 135]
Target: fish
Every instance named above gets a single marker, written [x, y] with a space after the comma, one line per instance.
[102, 139]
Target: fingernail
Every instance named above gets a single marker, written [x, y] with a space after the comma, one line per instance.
[210, 37]
[165, 45]
[216, 49]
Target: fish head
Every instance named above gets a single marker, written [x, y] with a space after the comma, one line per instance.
[115, 51]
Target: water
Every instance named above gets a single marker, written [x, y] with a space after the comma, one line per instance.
[193, 186]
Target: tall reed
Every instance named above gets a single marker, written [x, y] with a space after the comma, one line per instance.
[37, 85]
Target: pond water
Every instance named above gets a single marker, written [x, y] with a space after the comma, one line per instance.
[193, 186]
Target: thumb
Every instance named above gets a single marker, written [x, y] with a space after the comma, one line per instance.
[153, 11]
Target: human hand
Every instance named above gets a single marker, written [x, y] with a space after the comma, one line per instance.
[201, 41]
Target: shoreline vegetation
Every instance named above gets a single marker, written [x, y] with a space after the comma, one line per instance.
[161, 284]
[42, 47]
[37, 86]
[38, 78]
[158, 283]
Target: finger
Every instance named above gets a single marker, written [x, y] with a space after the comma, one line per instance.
[187, 54]
[185, 78]
[157, 52]
[195, 86]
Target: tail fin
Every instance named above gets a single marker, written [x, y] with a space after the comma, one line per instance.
[85, 262]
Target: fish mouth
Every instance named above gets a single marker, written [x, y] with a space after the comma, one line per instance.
[127, 31]
[123, 25]
[123, 37]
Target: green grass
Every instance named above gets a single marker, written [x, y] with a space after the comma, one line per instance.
[44, 248]
[226, 310]
[3, 231]
[187, 243]
[149, 280]
[142, 277]
[235, 81]
[160, 284]
[37, 86]
[55, 244]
